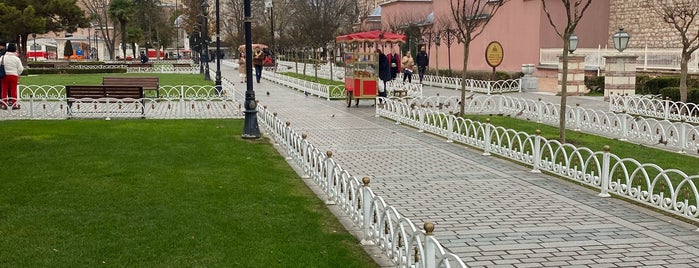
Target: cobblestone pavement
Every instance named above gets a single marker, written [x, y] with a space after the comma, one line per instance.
[489, 211]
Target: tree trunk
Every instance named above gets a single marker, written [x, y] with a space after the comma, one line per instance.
[564, 90]
[683, 74]
[464, 76]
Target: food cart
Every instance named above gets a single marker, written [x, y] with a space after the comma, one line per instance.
[362, 62]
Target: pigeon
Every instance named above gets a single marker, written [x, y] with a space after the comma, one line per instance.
[267, 93]
[306, 93]
[520, 112]
[471, 96]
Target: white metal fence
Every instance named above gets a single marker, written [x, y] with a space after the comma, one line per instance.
[654, 107]
[670, 190]
[181, 101]
[679, 136]
[381, 224]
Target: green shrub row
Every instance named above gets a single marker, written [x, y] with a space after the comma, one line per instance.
[29, 71]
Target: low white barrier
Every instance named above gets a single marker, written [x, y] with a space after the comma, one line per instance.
[381, 224]
[655, 107]
[181, 101]
[670, 190]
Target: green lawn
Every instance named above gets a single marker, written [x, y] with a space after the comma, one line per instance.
[642, 153]
[158, 193]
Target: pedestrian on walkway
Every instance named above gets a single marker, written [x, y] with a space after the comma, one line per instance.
[384, 74]
[422, 61]
[394, 59]
[242, 67]
[13, 68]
[258, 59]
[408, 65]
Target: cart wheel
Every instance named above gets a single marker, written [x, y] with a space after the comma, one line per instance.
[349, 99]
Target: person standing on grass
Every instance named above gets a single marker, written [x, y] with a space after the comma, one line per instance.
[258, 59]
[13, 68]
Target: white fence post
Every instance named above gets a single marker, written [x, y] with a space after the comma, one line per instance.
[486, 137]
[421, 117]
[536, 153]
[578, 120]
[430, 247]
[450, 128]
[666, 112]
[605, 177]
[539, 111]
[682, 140]
[624, 132]
[366, 211]
[328, 172]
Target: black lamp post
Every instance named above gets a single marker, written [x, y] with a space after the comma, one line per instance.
[97, 47]
[270, 5]
[34, 46]
[251, 130]
[621, 39]
[218, 50]
[205, 40]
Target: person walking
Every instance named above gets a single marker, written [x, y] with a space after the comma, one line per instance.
[258, 59]
[242, 68]
[408, 65]
[422, 61]
[13, 68]
[384, 74]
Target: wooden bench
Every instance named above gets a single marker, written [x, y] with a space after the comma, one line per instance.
[181, 65]
[130, 93]
[148, 83]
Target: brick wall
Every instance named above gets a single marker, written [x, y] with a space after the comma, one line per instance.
[643, 24]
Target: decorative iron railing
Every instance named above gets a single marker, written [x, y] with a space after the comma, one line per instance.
[670, 190]
[381, 224]
[655, 107]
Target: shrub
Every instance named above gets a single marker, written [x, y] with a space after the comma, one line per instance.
[670, 92]
[595, 83]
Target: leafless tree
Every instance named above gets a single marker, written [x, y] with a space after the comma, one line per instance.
[471, 17]
[681, 15]
[97, 10]
[575, 9]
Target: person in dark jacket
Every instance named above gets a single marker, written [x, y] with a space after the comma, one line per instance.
[2, 48]
[394, 60]
[422, 61]
[384, 74]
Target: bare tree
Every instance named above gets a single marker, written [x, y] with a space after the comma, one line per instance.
[681, 15]
[575, 9]
[97, 11]
[471, 17]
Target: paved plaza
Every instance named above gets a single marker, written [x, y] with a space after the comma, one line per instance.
[488, 211]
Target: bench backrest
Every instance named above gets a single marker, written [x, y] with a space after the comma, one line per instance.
[102, 91]
[146, 82]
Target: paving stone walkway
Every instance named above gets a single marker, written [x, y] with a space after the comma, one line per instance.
[490, 212]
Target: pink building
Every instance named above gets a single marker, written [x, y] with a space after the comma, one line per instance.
[521, 26]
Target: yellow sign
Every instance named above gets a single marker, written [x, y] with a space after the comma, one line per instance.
[494, 54]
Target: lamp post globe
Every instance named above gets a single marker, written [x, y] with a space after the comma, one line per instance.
[572, 43]
[621, 39]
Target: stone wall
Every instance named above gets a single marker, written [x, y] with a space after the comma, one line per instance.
[644, 25]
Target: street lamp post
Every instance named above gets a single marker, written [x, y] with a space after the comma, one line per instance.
[270, 5]
[205, 40]
[251, 130]
[97, 47]
[34, 46]
[572, 43]
[621, 40]
[218, 50]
